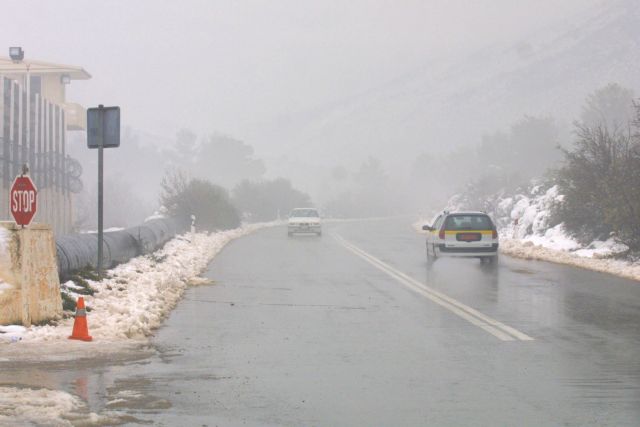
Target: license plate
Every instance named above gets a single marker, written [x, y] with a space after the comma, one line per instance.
[468, 237]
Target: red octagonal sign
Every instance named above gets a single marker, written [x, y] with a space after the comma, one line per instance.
[23, 200]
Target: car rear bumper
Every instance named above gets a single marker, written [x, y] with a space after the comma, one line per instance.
[311, 228]
[487, 251]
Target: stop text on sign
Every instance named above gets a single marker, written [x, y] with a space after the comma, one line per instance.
[23, 201]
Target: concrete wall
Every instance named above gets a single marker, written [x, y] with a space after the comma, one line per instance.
[28, 265]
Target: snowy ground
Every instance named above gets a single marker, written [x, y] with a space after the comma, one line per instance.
[528, 250]
[132, 301]
[28, 407]
[533, 215]
[534, 237]
[524, 224]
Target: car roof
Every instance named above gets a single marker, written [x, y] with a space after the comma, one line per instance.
[466, 213]
[299, 209]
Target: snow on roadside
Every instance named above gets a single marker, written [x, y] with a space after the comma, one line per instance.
[532, 212]
[27, 407]
[528, 250]
[11, 333]
[138, 295]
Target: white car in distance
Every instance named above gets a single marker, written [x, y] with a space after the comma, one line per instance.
[304, 220]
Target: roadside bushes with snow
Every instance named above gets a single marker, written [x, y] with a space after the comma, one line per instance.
[591, 202]
[530, 216]
[538, 235]
[601, 184]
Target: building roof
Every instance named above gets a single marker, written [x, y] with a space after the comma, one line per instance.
[7, 66]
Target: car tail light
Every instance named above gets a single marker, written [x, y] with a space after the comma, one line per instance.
[494, 233]
[441, 234]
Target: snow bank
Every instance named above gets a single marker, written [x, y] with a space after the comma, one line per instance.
[532, 211]
[528, 250]
[138, 295]
[533, 215]
[25, 406]
[11, 333]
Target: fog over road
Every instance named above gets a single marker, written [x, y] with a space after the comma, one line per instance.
[353, 329]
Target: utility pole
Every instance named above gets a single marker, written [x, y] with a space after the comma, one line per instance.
[100, 186]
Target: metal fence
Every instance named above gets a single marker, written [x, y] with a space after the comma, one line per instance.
[33, 131]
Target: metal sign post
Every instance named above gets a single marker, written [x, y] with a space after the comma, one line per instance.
[103, 131]
[100, 187]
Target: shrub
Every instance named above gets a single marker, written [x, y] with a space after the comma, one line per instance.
[209, 203]
[601, 184]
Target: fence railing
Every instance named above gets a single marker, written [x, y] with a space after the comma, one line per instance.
[33, 131]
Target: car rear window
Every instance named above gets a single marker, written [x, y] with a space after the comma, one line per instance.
[468, 222]
[304, 213]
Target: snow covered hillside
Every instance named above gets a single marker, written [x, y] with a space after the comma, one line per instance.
[548, 73]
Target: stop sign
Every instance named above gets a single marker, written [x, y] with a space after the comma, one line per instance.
[23, 200]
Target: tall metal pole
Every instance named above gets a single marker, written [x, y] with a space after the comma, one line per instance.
[28, 115]
[100, 204]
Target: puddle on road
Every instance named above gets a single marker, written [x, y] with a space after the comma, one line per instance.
[135, 393]
[97, 395]
[522, 271]
[168, 353]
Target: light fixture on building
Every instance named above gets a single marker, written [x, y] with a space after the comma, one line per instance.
[65, 79]
[16, 53]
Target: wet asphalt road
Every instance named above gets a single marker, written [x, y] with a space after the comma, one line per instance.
[332, 332]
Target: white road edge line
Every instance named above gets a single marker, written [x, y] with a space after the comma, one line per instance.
[473, 316]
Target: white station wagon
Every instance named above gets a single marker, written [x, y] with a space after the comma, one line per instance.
[462, 234]
[304, 220]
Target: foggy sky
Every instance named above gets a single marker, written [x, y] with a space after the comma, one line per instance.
[237, 67]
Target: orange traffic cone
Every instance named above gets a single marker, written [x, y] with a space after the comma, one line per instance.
[80, 328]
